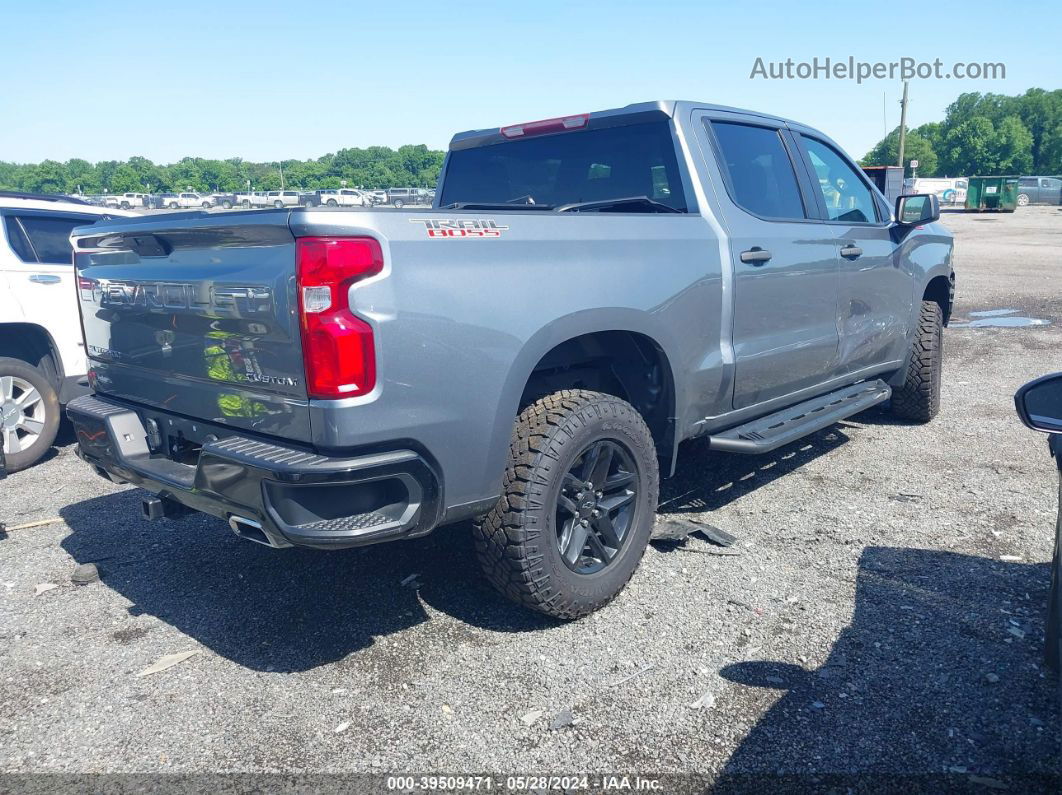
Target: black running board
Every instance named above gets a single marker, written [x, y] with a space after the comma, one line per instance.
[768, 433]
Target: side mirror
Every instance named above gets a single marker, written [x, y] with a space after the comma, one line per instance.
[1039, 404]
[921, 208]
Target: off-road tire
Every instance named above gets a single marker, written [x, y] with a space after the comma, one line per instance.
[918, 399]
[27, 372]
[516, 542]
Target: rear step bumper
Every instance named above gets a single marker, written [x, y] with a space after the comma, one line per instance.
[275, 495]
[771, 432]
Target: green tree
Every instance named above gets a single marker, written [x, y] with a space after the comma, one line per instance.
[81, 174]
[977, 146]
[125, 179]
[915, 147]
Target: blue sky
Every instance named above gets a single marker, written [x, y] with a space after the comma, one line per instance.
[264, 80]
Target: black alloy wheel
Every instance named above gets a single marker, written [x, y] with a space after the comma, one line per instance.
[595, 507]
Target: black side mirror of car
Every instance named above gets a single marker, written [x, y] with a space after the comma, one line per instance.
[1039, 403]
[917, 209]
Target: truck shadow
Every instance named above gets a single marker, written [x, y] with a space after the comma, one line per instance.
[938, 677]
[280, 610]
[295, 609]
[706, 480]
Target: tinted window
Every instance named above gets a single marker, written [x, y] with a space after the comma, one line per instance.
[761, 174]
[16, 238]
[1027, 182]
[581, 166]
[847, 196]
[50, 236]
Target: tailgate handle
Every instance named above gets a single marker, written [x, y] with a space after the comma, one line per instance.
[45, 278]
[755, 255]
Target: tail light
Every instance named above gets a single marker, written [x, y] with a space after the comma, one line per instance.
[337, 346]
[560, 124]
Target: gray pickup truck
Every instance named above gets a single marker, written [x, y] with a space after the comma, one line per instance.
[585, 294]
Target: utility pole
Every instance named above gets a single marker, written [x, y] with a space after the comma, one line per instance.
[281, 166]
[903, 124]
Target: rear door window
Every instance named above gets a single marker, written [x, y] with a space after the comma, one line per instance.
[16, 238]
[50, 236]
[630, 161]
[760, 171]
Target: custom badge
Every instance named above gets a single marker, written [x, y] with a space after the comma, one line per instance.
[460, 227]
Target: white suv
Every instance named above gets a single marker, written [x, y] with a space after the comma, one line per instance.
[42, 355]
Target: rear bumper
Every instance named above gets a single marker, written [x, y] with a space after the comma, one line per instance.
[295, 497]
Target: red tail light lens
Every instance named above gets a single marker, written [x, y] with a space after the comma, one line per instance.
[560, 124]
[338, 348]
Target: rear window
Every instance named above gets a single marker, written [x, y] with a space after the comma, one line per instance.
[585, 166]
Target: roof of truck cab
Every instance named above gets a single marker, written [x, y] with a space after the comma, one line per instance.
[59, 206]
[662, 107]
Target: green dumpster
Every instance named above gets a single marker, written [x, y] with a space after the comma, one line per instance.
[992, 193]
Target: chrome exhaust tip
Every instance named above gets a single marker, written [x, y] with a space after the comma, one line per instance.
[252, 530]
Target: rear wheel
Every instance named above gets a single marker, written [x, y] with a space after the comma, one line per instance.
[246, 204]
[918, 399]
[1023, 200]
[399, 204]
[580, 493]
[29, 413]
[173, 205]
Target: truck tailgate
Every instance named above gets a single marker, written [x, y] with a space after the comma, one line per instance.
[196, 315]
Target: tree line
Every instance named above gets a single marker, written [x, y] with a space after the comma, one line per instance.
[983, 134]
[980, 134]
[375, 167]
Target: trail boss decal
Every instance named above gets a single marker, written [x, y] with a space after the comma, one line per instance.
[454, 227]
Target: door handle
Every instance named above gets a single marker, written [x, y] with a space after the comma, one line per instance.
[851, 252]
[45, 278]
[755, 255]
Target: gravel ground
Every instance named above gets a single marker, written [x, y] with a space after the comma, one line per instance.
[880, 615]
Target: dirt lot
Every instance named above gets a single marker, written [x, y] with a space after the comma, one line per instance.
[881, 616]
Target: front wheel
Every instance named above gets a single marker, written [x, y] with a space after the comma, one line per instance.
[579, 496]
[226, 205]
[918, 399]
[245, 204]
[332, 203]
[278, 204]
[29, 413]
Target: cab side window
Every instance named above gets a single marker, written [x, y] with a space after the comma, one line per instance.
[846, 195]
[760, 172]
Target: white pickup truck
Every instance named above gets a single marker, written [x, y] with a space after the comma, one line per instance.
[341, 197]
[176, 201]
[126, 201]
[280, 198]
[42, 356]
